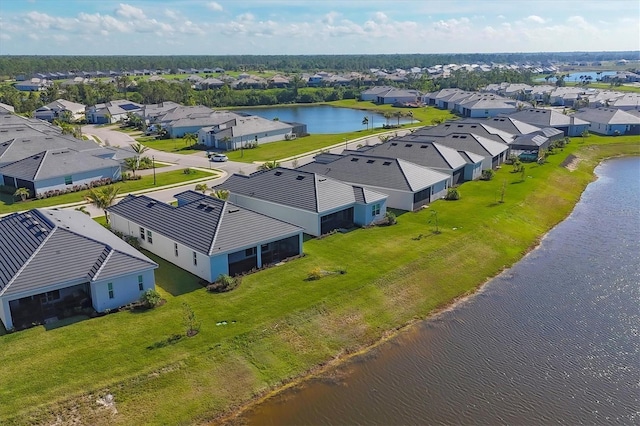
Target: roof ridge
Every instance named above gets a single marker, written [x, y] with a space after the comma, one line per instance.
[23, 267]
[215, 232]
[44, 153]
[104, 262]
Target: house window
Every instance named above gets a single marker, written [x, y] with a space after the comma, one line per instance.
[142, 233]
[149, 237]
[195, 259]
[68, 180]
[175, 249]
[140, 283]
[250, 252]
[110, 288]
[375, 209]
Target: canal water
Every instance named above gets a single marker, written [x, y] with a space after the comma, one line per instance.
[555, 339]
[322, 119]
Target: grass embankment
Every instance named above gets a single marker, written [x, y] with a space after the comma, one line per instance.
[278, 325]
[9, 204]
[607, 86]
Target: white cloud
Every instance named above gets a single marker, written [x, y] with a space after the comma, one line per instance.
[535, 19]
[131, 12]
[216, 7]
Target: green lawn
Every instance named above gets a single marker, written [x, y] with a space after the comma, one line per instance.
[9, 204]
[177, 145]
[278, 324]
[424, 115]
[607, 86]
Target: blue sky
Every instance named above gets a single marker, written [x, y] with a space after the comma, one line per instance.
[275, 27]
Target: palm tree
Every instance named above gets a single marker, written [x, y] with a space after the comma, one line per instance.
[365, 122]
[23, 193]
[268, 165]
[398, 115]
[222, 194]
[202, 187]
[387, 115]
[132, 164]
[410, 115]
[103, 197]
[139, 149]
[190, 138]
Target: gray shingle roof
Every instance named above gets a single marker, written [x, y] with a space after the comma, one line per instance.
[44, 247]
[607, 116]
[445, 129]
[545, 118]
[506, 124]
[55, 163]
[205, 224]
[295, 188]
[382, 172]
[434, 156]
[23, 147]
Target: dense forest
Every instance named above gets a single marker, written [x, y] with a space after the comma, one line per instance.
[180, 91]
[12, 66]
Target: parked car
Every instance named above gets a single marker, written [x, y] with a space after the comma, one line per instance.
[218, 158]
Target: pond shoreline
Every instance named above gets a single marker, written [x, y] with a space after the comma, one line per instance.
[571, 163]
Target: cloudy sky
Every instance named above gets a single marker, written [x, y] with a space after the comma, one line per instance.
[223, 27]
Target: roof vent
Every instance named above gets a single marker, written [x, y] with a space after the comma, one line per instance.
[234, 210]
[473, 126]
[408, 145]
[43, 229]
[277, 173]
[28, 215]
[299, 177]
[463, 137]
[455, 136]
[151, 204]
[424, 146]
[394, 144]
[354, 159]
[386, 163]
[371, 161]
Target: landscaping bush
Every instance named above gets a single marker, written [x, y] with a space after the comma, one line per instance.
[390, 218]
[315, 274]
[487, 174]
[150, 298]
[224, 283]
[452, 194]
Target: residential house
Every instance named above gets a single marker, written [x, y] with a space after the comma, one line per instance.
[372, 93]
[484, 105]
[111, 112]
[316, 203]
[399, 96]
[235, 133]
[58, 169]
[57, 262]
[461, 166]
[609, 121]
[60, 108]
[569, 124]
[33, 85]
[205, 235]
[407, 185]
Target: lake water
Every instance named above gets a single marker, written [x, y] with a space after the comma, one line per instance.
[324, 118]
[555, 339]
[575, 76]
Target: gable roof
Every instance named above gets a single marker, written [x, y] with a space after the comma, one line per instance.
[475, 127]
[546, 118]
[35, 242]
[34, 142]
[205, 224]
[506, 124]
[607, 116]
[294, 188]
[382, 172]
[435, 156]
[54, 163]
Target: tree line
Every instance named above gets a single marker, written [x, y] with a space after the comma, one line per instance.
[12, 66]
[180, 91]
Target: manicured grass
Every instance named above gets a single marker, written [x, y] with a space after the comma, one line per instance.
[177, 145]
[424, 115]
[607, 86]
[284, 149]
[278, 325]
[9, 204]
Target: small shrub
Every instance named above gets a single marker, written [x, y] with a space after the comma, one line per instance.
[133, 241]
[191, 323]
[390, 218]
[487, 174]
[452, 194]
[315, 274]
[187, 171]
[150, 298]
[224, 283]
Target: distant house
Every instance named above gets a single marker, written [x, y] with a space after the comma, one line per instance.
[609, 121]
[372, 93]
[206, 236]
[235, 133]
[483, 106]
[316, 203]
[407, 185]
[33, 85]
[111, 112]
[569, 124]
[37, 286]
[59, 109]
[399, 96]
